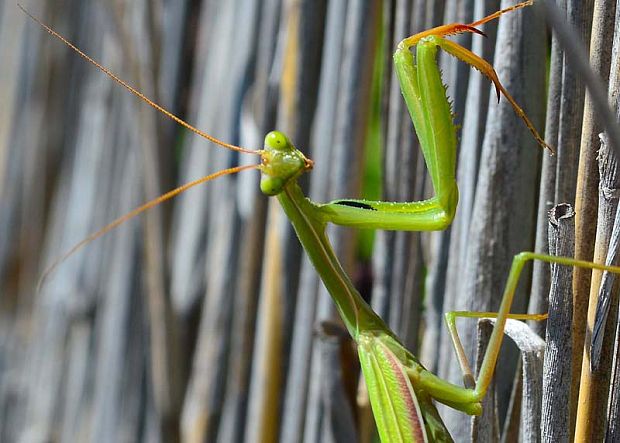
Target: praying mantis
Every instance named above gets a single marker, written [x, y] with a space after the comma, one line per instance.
[402, 391]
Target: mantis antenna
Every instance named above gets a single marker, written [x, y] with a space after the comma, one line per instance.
[137, 211]
[162, 198]
[137, 93]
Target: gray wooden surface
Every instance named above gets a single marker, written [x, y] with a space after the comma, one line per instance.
[203, 320]
[555, 420]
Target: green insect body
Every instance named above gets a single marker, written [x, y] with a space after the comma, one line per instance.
[402, 392]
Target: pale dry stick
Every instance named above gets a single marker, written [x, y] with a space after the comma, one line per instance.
[539, 301]
[600, 59]
[209, 229]
[603, 349]
[163, 328]
[555, 419]
[577, 56]
[599, 346]
[613, 419]
[613, 422]
[339, 424]
[234, 417]
[594, 385]
[74, 125]
[579, 15]
[485, 428]
[532, 347]
[301, 55]
[605, 299]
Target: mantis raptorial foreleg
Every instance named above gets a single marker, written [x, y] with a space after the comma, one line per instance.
[428, 106]
[401, 390]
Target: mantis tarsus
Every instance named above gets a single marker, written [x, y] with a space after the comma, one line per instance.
[402, 391]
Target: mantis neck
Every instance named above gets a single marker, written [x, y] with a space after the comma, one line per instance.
[310, 229]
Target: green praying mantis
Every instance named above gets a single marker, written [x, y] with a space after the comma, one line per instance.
[402, 392]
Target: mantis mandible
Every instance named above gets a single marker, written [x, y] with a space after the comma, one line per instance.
[401, 390]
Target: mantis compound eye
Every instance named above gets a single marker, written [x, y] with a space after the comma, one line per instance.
[271, 185]
[278, 141]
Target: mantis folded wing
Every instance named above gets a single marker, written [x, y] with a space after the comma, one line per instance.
[402, 391]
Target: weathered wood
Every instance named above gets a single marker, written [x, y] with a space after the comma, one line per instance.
[605, 297]
[578, 56]
[296, 394]
[88, 287]
[338, 417]
[539, 300]
[613, 419]
[93, 356]
[555, 420]
[145, 39]
[299, 63]
[25, 156]
[253, 211]
[485, 427]
[594, 388]
[579, 15]
[512, 423]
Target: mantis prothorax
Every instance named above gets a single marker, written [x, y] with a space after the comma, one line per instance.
[401, 390]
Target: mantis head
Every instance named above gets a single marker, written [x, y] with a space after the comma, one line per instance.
[281, 162]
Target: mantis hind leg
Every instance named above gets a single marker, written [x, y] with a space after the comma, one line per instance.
[490, 357]
[450, 317]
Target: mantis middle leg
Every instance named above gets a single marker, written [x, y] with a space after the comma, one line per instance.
[487, 368]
